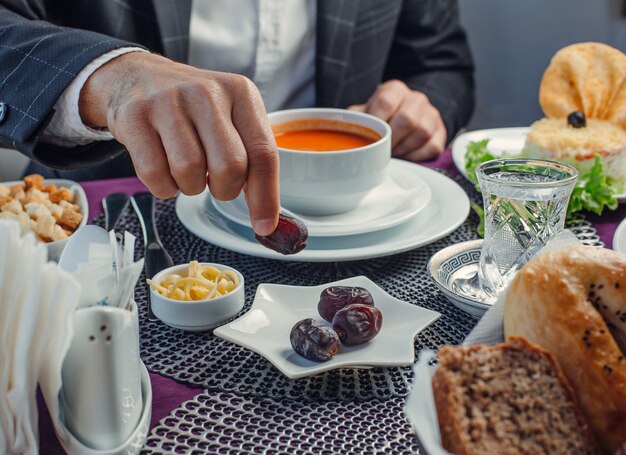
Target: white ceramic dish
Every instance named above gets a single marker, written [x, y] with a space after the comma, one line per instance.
[619, 238]
[276, 308]
[327, 183]
[509, 140]
[80, 198]
[447, 209]
[201, 314]
[457, 261]
[403, 195]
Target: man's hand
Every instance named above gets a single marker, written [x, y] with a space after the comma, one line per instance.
[185, 127]
[418, 133]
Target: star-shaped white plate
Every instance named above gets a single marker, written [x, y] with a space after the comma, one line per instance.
[276, 308]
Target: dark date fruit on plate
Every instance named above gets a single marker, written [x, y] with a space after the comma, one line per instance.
[289, 237]
[334, 298]
[357, 323]
[314, 341]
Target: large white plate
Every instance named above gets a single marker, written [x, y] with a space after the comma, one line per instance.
[265, 328]
[447, 209]
[401, 196]
[510, 140]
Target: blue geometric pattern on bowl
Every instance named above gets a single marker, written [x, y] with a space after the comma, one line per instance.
[449, 266]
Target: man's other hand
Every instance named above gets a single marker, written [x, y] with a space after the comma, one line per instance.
[418, 132]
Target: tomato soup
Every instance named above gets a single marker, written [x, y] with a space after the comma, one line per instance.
[320, 135]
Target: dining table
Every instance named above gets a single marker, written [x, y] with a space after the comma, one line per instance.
[211, 396]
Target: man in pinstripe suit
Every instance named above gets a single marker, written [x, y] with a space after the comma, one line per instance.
[405, 61]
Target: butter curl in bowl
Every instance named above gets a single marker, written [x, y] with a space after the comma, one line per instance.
[197, 296]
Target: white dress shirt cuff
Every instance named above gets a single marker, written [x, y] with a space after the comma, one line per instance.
[66, 127]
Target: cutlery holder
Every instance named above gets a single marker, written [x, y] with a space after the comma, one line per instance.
[101, 394]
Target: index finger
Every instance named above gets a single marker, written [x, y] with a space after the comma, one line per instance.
[262, 185]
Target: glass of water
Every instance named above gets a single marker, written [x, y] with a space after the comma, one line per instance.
[525, 203]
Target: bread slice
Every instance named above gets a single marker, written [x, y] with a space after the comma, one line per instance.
[511, 398]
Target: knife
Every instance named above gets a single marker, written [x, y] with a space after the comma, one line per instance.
[113, 205]
[155, 256]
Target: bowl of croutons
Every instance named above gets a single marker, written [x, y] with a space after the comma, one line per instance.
[53, 209]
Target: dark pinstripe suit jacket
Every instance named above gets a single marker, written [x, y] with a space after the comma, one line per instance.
[45, 43]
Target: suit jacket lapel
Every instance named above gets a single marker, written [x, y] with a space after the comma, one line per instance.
[335, 26]
[173, 18]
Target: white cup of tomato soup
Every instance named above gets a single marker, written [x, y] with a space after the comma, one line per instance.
[329, 158]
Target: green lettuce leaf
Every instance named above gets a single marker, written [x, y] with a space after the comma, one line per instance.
[594, 191]
[476, 154]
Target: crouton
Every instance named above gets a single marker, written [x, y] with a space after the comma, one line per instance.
[45, 228]
[70, 219]
[12, 206]
[34, 181]
[17, 191]
[36, 196]
[62, 194]
[50, 189]
[5, 200]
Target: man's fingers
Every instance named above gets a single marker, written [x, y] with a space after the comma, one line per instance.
[432, 149]
[416, 138]
[387, 99]
[226, 160]
[185, 153]
[150, 162]
[410, 118]
[262, 191]
[358, 108]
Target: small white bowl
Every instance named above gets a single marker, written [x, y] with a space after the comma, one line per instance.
[197, 315]
[80, 198]
[331, 182]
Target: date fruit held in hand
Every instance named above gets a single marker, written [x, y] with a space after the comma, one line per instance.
[357, 323]
[289, 237]
[314, 341]
[334, 298]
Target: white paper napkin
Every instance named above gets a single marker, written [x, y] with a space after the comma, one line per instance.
[109, 268]
[420, 405]
[36, 296]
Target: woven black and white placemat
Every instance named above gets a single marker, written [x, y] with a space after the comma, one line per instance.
[201, 359]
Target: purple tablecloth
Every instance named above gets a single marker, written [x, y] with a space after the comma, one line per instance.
[168, 394]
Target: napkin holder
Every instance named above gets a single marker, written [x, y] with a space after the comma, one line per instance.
[106, 397]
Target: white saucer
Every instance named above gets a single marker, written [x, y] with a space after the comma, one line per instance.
[447, 209]
[457, 261]
[501, 140]
[401, 196]
[265, 328]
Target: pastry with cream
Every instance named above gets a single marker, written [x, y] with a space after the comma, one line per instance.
[583, 95]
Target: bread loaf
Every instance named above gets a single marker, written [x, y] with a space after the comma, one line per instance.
[507, 399]
[572, 302]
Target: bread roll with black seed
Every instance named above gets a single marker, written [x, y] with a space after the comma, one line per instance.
[572, 302]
